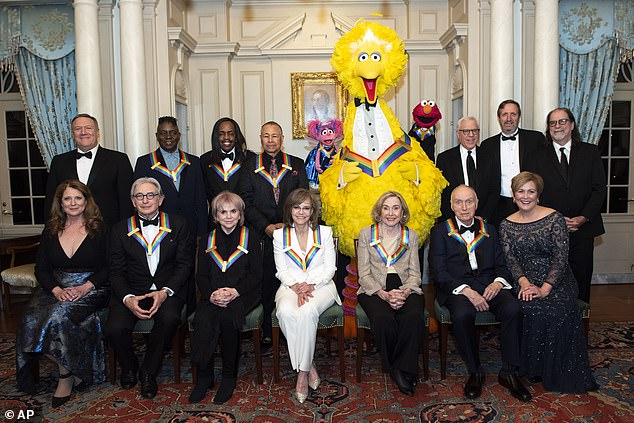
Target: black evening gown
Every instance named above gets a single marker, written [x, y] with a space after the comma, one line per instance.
[553, 342]
[70, 332]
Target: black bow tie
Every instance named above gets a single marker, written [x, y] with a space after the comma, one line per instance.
[512, 137]
[87, 155]
[149, 222]
[473, 228]
[224, 155]
[358, 102]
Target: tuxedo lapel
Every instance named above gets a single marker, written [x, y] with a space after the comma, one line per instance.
[557, 164]
[462, 249]
[138, 250]
[98, 164]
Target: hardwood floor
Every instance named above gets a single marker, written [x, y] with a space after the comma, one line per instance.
[609, 303]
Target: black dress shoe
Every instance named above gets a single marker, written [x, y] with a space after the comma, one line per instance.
[412, 379]
[401, 382]
[512, 382]
[59, 401]
[148, 385]
[205, 381]
[225, 392]
[128, 378]
[473, 387]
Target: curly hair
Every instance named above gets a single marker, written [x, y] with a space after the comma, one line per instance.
[92, 216]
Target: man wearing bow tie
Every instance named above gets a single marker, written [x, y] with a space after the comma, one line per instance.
[464, 164]
[179, 174]
[468, 267]
[509, 152]
[266, 180]
[151, 259]
[221, 165]
[107, 173]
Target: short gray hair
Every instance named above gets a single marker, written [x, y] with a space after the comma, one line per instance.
[146, 180]
[466, 118]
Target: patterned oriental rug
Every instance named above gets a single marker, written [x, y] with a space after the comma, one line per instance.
[376, 399]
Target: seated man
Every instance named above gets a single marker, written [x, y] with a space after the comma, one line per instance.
[150, 263]
[468, 267]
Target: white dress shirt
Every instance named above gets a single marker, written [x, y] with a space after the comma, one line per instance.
[227, 163]
[84, 165]
[509, 163]
[566, 146]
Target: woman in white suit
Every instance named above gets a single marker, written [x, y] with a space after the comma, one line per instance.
[305, 261]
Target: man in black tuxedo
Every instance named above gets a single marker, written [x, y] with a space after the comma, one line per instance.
[221, 165]
[179, 174]
[509, 152]
[468, 267]
[265, 182]
[455, 167]
[151, 259]
[107, 173]
[574, 184]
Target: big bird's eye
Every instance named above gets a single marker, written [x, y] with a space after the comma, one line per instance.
[363, 57]
[376, 56]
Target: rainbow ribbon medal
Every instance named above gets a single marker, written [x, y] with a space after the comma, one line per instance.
[259, 168]
[388, 259]
[228, 174]
[454, 232]
[135, 231]
[173, 174]
[240, 250]
[302, 263]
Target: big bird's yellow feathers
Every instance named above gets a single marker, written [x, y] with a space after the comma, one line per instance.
[377, 155]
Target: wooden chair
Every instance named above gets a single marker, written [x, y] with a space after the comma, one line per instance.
[485, 318]
[144, 327]
[330, 321]
[18, 276]
[253, 324]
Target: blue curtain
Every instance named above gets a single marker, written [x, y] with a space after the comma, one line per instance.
[49, 90]
[587, 85]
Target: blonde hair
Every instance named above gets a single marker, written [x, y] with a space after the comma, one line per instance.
[376, 209]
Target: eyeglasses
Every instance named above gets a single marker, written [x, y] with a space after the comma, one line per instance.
[561, 122]
[150, 196]
[305, 209]
[469, 131]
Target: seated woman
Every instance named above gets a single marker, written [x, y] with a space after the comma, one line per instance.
[60, 321]
[535, 243]
[390, 288]
[229, 277]
[305, 260]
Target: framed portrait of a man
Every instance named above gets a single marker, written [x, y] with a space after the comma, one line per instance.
[315, 95]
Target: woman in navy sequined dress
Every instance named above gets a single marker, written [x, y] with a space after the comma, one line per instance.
[60, 321]
[535, 242]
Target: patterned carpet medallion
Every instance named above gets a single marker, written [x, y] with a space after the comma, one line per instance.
[376, 399]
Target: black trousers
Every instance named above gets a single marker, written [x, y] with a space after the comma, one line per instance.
[270, 284]
[397, 333]
[504, 208]
[507, 311]
[580, 257]
[119, 328]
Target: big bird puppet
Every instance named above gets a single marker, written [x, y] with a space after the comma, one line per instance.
[376, 155]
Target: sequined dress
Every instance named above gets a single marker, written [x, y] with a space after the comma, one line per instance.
[553, 342]
[70, 332]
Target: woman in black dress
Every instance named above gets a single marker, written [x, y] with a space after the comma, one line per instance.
[535, 243]
[228, 276]
[60, 321]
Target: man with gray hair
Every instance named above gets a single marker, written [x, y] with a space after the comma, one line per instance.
[151, 259]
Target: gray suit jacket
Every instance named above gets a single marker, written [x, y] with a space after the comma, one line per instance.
[373, 272]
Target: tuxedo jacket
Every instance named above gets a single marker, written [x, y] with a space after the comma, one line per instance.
[257, 192]
[129, 272]
[109, 181]
[529, 142]
[585, 191]
[487, 187]
[449, 261]
[214, 183]
[189, 200]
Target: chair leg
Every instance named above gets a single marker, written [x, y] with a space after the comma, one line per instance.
[258, 355]
[194, 374]
[276, 354]
[329, 334]
[442, 341]
[342, 360]
[7, 296]
[360, 336]
[426, 355]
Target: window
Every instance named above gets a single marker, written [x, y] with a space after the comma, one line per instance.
[614, 146]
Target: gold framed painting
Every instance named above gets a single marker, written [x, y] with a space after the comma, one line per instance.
[315, 95]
